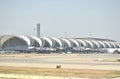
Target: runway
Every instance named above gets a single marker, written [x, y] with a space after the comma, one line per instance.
[74, 61]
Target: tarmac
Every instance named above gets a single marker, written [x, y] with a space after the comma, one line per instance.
[73, 61]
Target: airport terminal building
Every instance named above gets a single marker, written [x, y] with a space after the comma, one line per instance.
[30, 44]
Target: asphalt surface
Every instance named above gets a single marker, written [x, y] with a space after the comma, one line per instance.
[79, 61]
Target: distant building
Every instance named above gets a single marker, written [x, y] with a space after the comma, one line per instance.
[45, 44]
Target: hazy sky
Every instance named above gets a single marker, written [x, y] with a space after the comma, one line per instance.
[61, 18]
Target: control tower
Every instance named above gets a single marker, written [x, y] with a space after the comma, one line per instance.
[38, 30]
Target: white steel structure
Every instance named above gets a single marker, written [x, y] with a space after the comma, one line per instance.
[26, 43]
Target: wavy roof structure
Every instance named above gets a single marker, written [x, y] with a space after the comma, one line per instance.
[93, 43]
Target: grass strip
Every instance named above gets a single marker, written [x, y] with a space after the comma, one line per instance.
[61, 72]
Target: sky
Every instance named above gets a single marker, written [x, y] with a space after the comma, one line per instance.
[61, 18]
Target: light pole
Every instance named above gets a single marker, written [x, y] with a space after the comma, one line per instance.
[0, 44]
[33, 31]
[65, 45]
[8, 45]
[65, 34]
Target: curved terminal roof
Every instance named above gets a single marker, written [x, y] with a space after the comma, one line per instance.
[75, 41]
[67, 41]
[107, 44]
[25, 39]
[101, 44]
[7, 37]
[70, 42]
[81, 41]
[113, 45]
[38, 40]
[58, 40]
[48, 40]
[118, 44]
[96, 43]
[90, 43]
